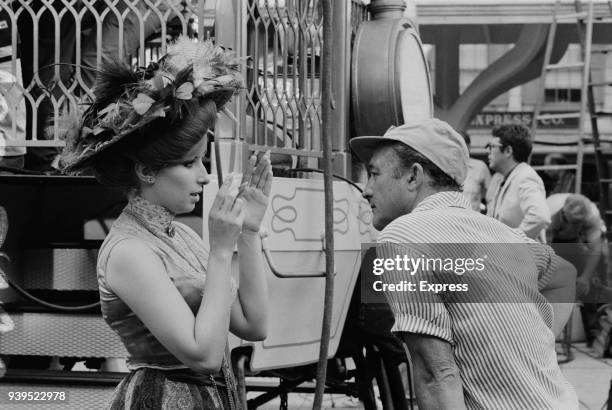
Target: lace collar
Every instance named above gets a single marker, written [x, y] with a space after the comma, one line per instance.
[155, 218]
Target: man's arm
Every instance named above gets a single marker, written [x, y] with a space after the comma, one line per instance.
[492, 191]
[555, 204]
[436, 375]
[532, 200]
[560, 291]
[550, 230]
[555, 222]
[593, 244]
[485, 181]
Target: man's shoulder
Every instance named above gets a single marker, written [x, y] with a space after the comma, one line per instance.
[593, 218]
[405, 228]
[555, 202]
[476, 163]
[526, 176]
[526, 171]
[496, 181]
[478, 168]
[431, 225]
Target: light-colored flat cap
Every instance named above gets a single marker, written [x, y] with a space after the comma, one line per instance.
[432, 138]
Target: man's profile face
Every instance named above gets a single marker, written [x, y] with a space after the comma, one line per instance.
[496, 154]
[386, 190]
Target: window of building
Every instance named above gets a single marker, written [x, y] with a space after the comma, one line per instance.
[564, 86]
[473, 60]
[562, 95]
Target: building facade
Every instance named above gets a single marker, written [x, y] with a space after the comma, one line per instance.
[474, 51]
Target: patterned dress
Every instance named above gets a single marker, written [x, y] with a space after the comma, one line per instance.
[158, 380]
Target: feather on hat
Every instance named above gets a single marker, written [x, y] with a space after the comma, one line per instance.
[127, 100]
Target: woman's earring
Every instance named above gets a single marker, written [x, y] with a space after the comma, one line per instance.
[150, 180]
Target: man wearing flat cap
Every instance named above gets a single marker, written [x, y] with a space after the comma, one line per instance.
[467, 353]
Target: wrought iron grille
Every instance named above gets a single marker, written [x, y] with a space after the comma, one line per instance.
[50, 49]
[283, 99]
[284, 60]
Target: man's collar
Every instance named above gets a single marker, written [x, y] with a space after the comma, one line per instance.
[511, 170]
[441, 200]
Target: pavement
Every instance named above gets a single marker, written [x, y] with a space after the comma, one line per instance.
[590, 376]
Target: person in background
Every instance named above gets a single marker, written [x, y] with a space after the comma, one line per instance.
[465, 355]
[578, 234]
[57, 77]
[516, 195]
[170, 296]
[477, 180]
[558, 181]
[12, 104]
[38, 44]
[576, 220]
[12, 121]
[108, 45]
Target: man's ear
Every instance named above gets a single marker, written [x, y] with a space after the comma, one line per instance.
[144, 173]
[415, 175]
[508, 150]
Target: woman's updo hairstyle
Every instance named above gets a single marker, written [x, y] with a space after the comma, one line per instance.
[159, 144]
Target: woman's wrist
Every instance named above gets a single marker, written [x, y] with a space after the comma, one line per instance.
[222, 252]
[249, 231]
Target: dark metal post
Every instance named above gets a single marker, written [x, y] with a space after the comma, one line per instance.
[240, 372]
[326, 75]
[341, 83]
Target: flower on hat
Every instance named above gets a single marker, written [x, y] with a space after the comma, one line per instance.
[185, 91]
[142, 103]
[126, 100]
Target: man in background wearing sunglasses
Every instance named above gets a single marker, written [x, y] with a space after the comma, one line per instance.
[516, 195]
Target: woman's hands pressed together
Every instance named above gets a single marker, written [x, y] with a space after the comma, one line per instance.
[249, 319]
[226, 217]
[255, 191]
[233, 212]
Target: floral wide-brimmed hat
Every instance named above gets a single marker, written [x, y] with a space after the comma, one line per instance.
[127, 100]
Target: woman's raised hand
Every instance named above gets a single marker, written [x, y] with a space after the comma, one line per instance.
[255, 190]
[226, 216]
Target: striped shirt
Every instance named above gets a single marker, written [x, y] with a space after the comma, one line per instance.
[505, 352]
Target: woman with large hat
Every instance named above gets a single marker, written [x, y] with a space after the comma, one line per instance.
[167, 294]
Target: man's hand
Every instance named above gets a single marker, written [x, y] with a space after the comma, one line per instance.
[560, 292]
[583, 286]
[436, 375]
